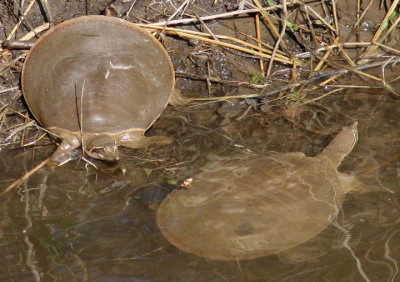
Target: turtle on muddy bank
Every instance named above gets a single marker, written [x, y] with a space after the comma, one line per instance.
[97, 82]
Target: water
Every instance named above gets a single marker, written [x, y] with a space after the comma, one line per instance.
[76, 223]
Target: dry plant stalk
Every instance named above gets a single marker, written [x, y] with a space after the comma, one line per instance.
[255, 50]
[258, 36]
[372, 48]
[279, 40]
[270, 23]
[21, 19]
[25, 177]
[220, 16]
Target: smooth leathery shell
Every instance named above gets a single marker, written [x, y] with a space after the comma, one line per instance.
[250, 206]
[120, 75]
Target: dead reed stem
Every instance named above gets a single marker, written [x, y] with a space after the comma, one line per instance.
[21, 19]
[263, 53]
[258, 36]
[25, 177]
[270, 23]
[278, 41]
[372, 48]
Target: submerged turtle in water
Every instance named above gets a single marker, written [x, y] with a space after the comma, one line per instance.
[256, 206]
[98, 82]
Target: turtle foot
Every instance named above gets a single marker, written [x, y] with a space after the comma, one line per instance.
[107, 151]
[64, 153]
[177, 99]
[142, 142]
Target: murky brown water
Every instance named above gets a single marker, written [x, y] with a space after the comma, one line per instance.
[76, 223]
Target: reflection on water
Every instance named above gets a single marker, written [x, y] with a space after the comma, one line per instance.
[76, 223]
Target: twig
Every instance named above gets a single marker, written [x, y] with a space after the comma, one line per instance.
[16, 45]
[9, 89]
[316, 14]
[194, 35]
[34, 141]
[332, 47]
[183, 7]
[380, 165]
[258, 36]
[321, 97]
[372, 48]
[19, 128]
[359, 18]
[220, 37]
[335, 19]
[47, 11]
[20, 20]
[328, 75]
[384, 83]
[344, 53]
[274, 31]
[317, 68]
[310, 25]
[22, 43]
[130, 8]
[25, 177]
[279, 39]
[219, 16]
[33, 33]
[217, 80]
[7, 65]
[323, 78]
[206, 27]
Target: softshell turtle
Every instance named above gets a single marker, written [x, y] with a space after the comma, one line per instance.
[100, 76]
[244, 208]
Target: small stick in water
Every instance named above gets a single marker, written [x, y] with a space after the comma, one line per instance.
[24, 177]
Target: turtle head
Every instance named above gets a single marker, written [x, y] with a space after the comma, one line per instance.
[102, 148]
[342, 144]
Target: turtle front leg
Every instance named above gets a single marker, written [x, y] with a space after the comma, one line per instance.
[137, 140]
[64, 152]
